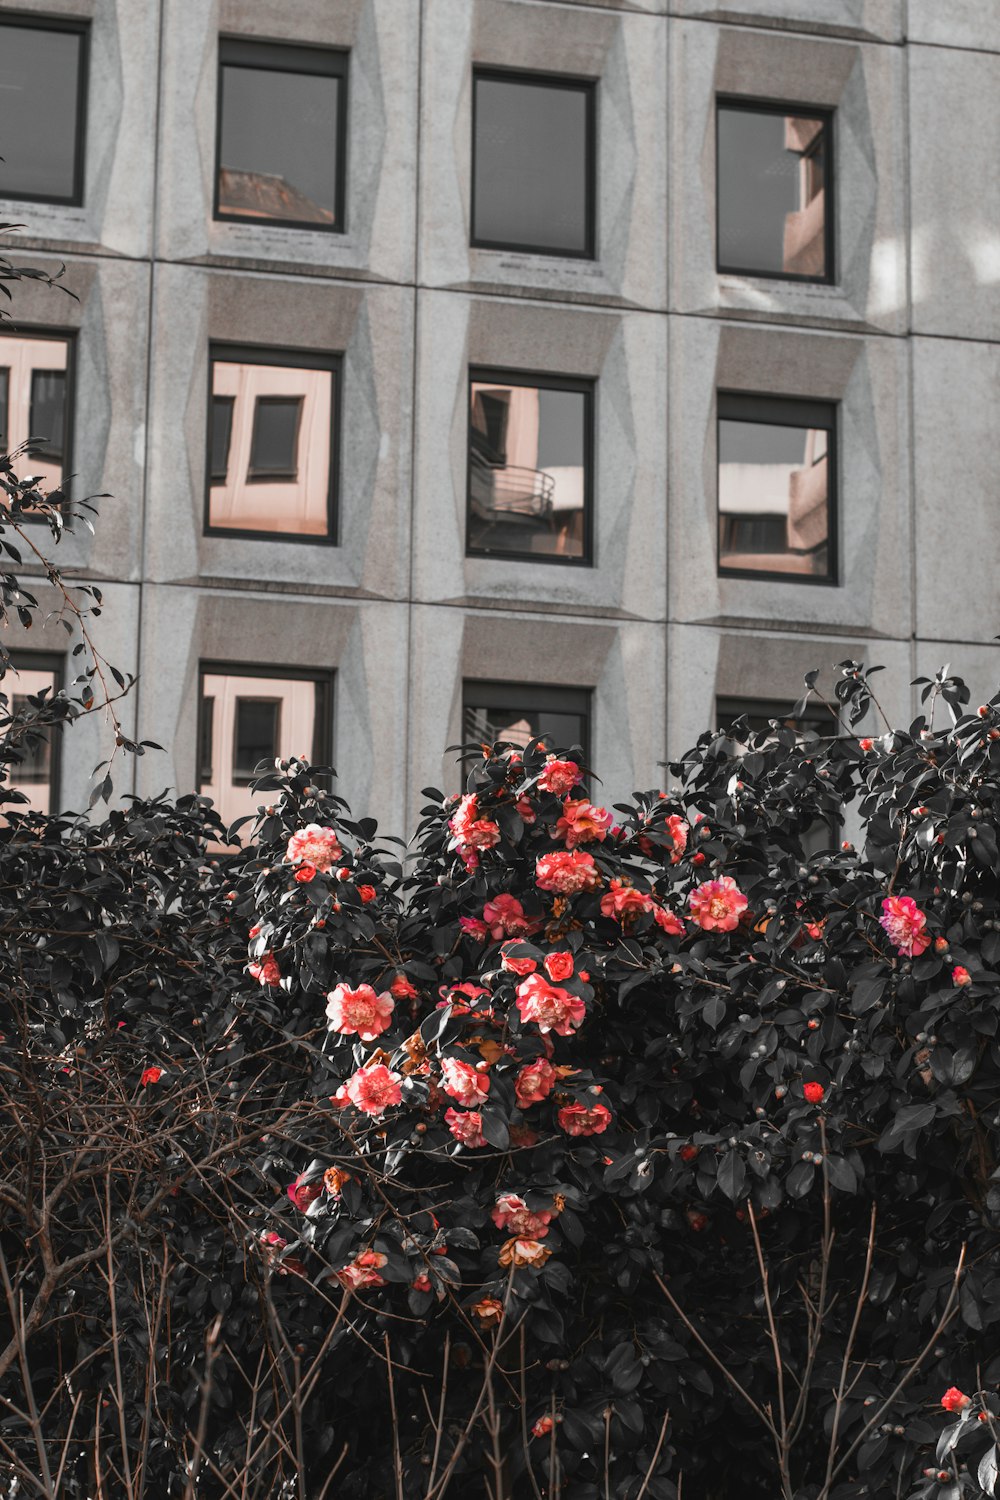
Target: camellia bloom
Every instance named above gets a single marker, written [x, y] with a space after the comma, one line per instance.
[334, 1179]
[955, 1400]
[373, 1089]
[559, 966]
[624, 902]
[814, 1092]
[462, 1082]
[960, 975]
[535, 1082]
[151, 1075]
[678, 831]
[466, 1125]
[566, 873]
[512, 1213]
[402, 988]
[542, 1427]
[489, 1311]
[305, 873]
[582, 823]
[265, 970]
[474, 928]
[716, 905]
[550, 1007]
[303, 1193]
[515, 964]
[272, 1244]
[559, 776]
[670, 922]
[577, 1119]
[470, 830]
[525, 811]
[504, 917]
[362, 1271]
[523, 1252]
[359, 1011]
[314, 845]
[367, 894]
[905, 922]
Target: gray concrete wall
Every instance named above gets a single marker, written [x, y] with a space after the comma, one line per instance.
[907, 342]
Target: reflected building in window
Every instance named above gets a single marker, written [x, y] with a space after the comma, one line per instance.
[776, 467]
[529, 479]
[521, 712]
[34, 402]
[775, 212]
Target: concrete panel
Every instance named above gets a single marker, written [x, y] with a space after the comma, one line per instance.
[627, 54]
[372, 328]
[625, 355]
[108, 314]
[960, 23]
[955, 126]
[868, 20]
[956, 418]
[864, 84]
[117, 209]
[364, 643]
[383, 39]
[622, 664]
[867, 377]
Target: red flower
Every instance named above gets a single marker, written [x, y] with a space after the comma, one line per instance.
[905, 922]
[582, 823]
[552, 1008]
[566, 873]
[463, 1082]
[151, 1075]
[960, 975]
[305, 873]
[955, 1400]
[814, 1092]
[474, 928]
[559, 776]
[373, 1089]
[265, 970]
[542, 1427]
[577, 1119]
[421, 1283]
[624, 902]
[402, 988]
[678, 831]
[303, 1193]
[504, 917]
[688, 1153]
[367, 893]
[559, 966]
[668, 920]
[513, 964]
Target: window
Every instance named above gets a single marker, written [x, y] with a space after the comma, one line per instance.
[522, 712]
[272, 443]
[35, 382]
[777, 487]
[36, 774]
[43, 102]
[758, 712]
[533, 163]
[254, 715]
[530, 467]
[282, 134]
[774, 203]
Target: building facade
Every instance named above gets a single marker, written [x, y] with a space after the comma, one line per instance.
[573, 366]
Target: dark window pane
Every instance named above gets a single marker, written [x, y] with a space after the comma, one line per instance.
[257, 726]
[774, 490]
[48, 413]
[531, 175]
[4, 400]
[772, 193]
[275, 441]
[279, 142]
[39, 104]
[222, 431]
[509, 711]
[35, 763]
[528, 469]
[206, 745]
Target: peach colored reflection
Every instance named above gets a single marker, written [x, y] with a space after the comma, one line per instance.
[33, 777]
[22, 357]
[296, 716]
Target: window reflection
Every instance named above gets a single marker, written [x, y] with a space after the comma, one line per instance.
[520, 713]
[772, 192]
[281, 120]
[41, 118]
[270, 448]
[34, 775]
[247, 719]
[528, 469]
[533, 164]
[34, 374]
[774, 486]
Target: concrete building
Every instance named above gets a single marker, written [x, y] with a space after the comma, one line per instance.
[581, 362]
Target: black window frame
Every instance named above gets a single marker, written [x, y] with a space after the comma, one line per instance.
[40, 661]
[28, 21]
[302, 359]
[313, 59]
[67, 336]
[219, 476]
[729, 707]
[559, 697]
[542, 80]
[539, 380]
[323, 680]
[805, 112]
[770, 409]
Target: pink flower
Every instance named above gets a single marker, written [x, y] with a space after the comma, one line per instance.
[511, 1212]
[624, 902]
[514, 965]
[363, 1271]
[303, 1193]
[582, 823]
[359, 1011]
[559, 966]
[315, 846]
[716, 905]
[678, 830]
[960, 975]
[466, 1126]
[402, 988]
[272, 1244]
[670, 922]
[577, 1119]
[525, 811]
[559, 776]
[462, 1082]
[474, 928]
[372, 1089]
[566, 873]
[470, 830]
[905, 922]
[534, 1082]
[150, 1075]
[266, 970]
[504, 916]
[552, 1008]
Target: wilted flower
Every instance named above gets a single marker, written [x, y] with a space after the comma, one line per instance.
[716, 905]
[578, 1119]
[512, 1213]
[314, 845]
[678, 831]
[373, 1089]
[504, 917]
[359, 1011]
[402, 988]
[466, 1126]
[463, 1082]
[523, 1252]
[489, 1311]
[550, 1007]
[905, 922]
[362, 1271]
[334, 1179]
[566, 873]
[474, 928]
[303, 1193]
[582, 823]
[534, 1082]
[668, 920]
